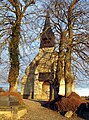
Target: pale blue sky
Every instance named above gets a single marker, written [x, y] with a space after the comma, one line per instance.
[32, 34]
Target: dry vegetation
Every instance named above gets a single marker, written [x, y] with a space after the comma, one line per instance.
[72, 102]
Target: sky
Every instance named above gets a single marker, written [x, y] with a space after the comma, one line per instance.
[81, 87]
[82, 91]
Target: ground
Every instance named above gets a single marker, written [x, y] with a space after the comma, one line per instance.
[37, 112]
[40, 110]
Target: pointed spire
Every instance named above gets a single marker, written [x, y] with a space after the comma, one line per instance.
[47, 36]
[47, 22]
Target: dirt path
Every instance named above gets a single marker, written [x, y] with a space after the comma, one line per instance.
[37, 112]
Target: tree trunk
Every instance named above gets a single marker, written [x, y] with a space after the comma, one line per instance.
[67, 72]
[69, 79]
[60, 67]
[14, 58]
[19, 11]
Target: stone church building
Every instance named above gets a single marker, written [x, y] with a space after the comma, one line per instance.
[40, 75]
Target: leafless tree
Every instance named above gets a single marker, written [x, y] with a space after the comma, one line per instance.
[71, 21]
[12, 13]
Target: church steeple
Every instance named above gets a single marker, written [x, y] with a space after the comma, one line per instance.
[47, 36]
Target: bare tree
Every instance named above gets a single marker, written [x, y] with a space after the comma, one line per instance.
[71, 21]
[13, 14]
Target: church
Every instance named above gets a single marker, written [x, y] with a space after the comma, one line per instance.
[40, 75]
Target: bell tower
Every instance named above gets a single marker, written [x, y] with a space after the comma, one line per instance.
[47, 36]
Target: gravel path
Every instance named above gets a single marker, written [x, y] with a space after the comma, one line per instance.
[37, 112]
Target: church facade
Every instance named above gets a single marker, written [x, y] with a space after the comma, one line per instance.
[38, 81]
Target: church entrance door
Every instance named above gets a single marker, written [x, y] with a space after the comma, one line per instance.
[46, 91]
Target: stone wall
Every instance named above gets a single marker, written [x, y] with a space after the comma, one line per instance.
[45, 61]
